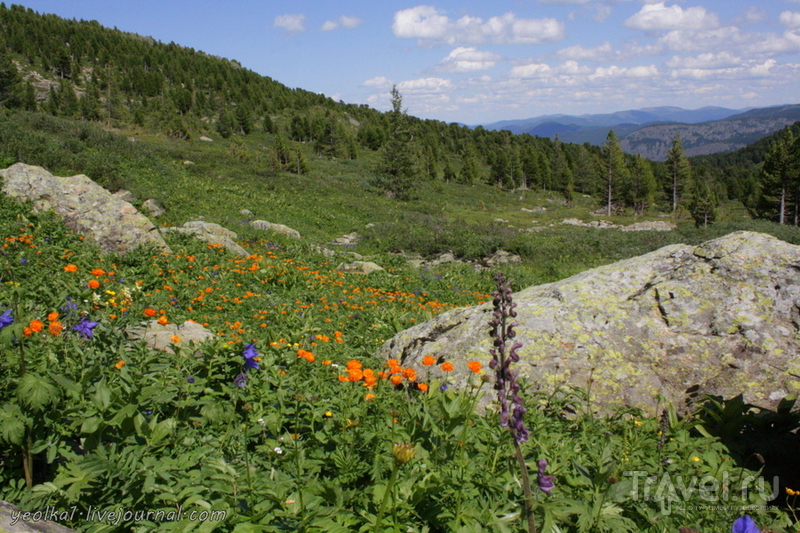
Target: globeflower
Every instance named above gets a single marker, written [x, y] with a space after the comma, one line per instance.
[36, 325]
[70, 268]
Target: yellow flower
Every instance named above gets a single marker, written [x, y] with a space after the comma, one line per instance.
[695, 459]
[403, 453]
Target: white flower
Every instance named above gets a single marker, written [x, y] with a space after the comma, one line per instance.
[277, 449]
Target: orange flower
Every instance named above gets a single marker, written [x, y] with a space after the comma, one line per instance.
[370, 381]
[97, 272]
[423, 387]
[447, 367]
[353, 364]
[354, 374]
[93, 284]
[428, 360]
[475, 366]
[150, 312]
[36, 325]
[52, 317]
[396, 379]
[410, 374]
[27, 332]
[55, 328]
[369, 396]
[119, 364]
[327, 362]
[163, 320]
[70, 268]
[392, 362]
[175, 339]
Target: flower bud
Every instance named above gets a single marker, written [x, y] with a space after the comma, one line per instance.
[403, 453]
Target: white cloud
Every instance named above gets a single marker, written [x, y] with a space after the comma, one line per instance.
[708, 60]
[424, 85]
[565, 2]
[379, 82]
[341, 22]
[291, 23]
[614, 71]
[697, 41]
[532, 70]
[431, 26]
[467, 59]
[790, 19]
[658, 17]
[601, 52]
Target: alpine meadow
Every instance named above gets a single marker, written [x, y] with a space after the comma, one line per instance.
[281, 349]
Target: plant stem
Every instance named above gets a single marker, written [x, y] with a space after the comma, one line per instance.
[389, 488]
[526, 486]
[27, 461]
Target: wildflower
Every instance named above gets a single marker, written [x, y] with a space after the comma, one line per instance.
[251, 357]
[428, 360]
[240, 380]
[792, 492]
[93, 284]
[369, 396]
[6, 319]
[403, 453]
[55, 328]
[36, 325]
[85, 327]
[163, 320]
[52, 317]
[328, 414]
[69, 307]
[70, 268]
[745, 524]
[505, 379]
[423, 387]
[150, 312]
[175, 339]
[447, 367]
[545, 482]
[190, 379]
[277, 449]
[475, 366]
[119, 364]
[97, 272]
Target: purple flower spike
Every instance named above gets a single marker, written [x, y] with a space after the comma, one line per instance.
[545, 482]
[505, 382]
[745, 524]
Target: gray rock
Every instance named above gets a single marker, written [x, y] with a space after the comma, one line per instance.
[158, 337]
[30, 523]
[87, 208]
[657, 225]
[277, 228]
[206, 139]
[245, 212]
[721, 318]
[213, 234]
[351, 239]
[501, 257]
[152, 206]
[359, 267]
[125, 196]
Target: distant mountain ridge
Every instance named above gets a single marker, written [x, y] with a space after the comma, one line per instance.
[650, 131]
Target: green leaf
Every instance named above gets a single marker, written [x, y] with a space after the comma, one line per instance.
[37, 391]
[12, 424]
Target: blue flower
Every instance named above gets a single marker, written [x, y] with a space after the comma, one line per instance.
[190, 379]
[85, 327]
[250, 357]
[545, 482]
[745, 524]
[6, 319]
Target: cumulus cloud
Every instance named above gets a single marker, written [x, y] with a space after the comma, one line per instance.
[431, 26]
[708, 60]
[424, 85]
[380, 82]
[659, 17]
[579, 52]
[790, 19]
[468, 59]
[341, 22]
[291, 23]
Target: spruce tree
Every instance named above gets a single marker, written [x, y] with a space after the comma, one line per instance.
[679, 169]
[704, 201]
[779, 174]
[614, 170]
[396, 173]
[641, 190]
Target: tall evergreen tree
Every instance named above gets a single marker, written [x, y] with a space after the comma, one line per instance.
[10, 81]
[704, 201]
[614, 170]
[679, 169]
[641, 190]
[396, 172]
[779, 174]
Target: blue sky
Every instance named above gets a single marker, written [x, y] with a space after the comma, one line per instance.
[480, 62]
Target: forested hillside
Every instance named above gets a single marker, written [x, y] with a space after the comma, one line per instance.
[83, 71]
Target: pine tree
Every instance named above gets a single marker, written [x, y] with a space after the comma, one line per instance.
[614, 170]
[10, 81]
[679, 169]
[641, 190]
[396, 172]
[704, 201]
[779, 173]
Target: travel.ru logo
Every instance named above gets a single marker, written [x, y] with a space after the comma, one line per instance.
[730, 492]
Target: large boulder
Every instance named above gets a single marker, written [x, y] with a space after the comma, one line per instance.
[721, 318]
[276, 228]
[86, 207]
